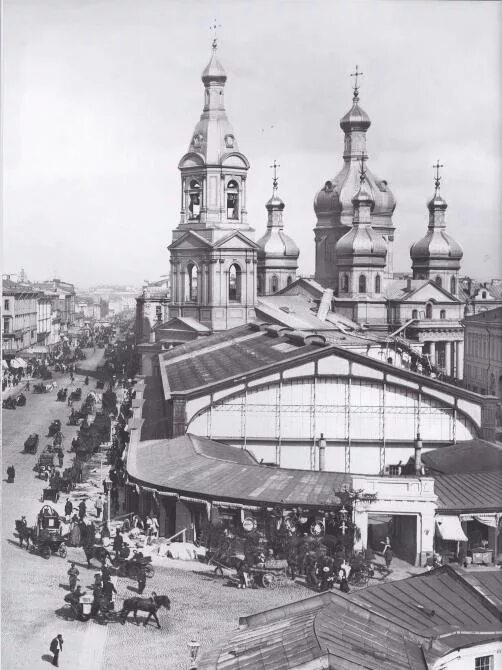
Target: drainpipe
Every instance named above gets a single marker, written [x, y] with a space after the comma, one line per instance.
[418, 455]
[322, 453]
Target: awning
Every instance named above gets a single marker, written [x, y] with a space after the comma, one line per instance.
[18, 363]
[449, 528]
[4, 364]
[486, 519]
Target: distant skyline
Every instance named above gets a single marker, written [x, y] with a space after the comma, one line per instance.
[100, 100]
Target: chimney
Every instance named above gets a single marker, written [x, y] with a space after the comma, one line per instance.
[418, 455]
[325, 304]
[408, 284]
[322, 453]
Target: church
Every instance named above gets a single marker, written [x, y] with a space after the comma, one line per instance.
[222, 277]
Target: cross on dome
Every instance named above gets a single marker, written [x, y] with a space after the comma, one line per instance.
[356, 74]
[275, 181]
[437, 180]
[213, 28]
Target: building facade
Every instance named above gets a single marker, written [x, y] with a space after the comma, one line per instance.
[483, 352]
[20, 316]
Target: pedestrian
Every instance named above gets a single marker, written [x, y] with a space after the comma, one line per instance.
[97, 580]
[108, 591]
[73, 574]
[105, 532]
[105, 573]
[70, 403]
[99, 505]
[388, 556]
[82, 511]
[118, 542]
[141, 578]
[56, 648]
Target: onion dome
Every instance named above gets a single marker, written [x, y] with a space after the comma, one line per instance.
[355, 119]
[361, 245]
[275, 243]
[436, 249]
[214, 72]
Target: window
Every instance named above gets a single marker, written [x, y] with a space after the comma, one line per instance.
[158, 313]
[345, 284]
[234, 283]
[274, 284]
[192, 283]
[483, 663]
[453, 285]
[414, 314]
[6, 326]
[483, 295]
[438, 281]
[428, 311]
[233, 200]
[289, 280]
[377, 284]
[442, 314]
[362, 284]
[194, 196]
[6, 304]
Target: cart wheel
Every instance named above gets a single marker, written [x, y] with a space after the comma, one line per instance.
[62, 550]
[45, 551]
[149, 570]
[268, 581]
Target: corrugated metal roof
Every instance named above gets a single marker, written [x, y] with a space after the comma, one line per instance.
[394, 626]
[487, 582]
[466, 492]
[469, 456]
[202, 467]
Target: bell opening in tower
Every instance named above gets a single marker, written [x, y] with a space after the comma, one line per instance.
[234, 283]
[233, 200]
[194, 201]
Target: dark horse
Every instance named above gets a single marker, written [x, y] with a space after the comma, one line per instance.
[150, 605]
[99, 553]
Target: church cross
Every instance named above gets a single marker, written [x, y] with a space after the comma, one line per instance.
[437, 180]
[214, 28]
[356, 74]
[275, 182]
[362, 169]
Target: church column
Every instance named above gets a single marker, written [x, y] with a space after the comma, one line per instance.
[447, 358]
[432, 352]
[459, 350]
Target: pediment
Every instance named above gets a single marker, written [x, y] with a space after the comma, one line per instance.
[236, 240]
[190, 240]
[235, 159]
[430, 291]
[191, 160]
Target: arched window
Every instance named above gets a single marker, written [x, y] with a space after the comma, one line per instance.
[483, 295]
[289, 280]
[158, 312]
[194, 196]
[438, 281]
[234, 283]
[232, 200]
[192, 283]
[362, 283]
[442, 314]
[414, 314]
[345, 283]
[428, 311]
[274, 284]
[453, 285]
[377, 284]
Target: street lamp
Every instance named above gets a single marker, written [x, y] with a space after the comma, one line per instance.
[194, 647]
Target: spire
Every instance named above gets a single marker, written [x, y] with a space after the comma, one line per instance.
[214, 72]
[275, 205]
[356, 119]
[437, 205]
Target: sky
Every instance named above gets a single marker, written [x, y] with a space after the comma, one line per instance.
[100, 98]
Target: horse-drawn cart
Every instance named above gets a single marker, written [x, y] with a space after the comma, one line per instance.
[270, 574]
[31, 443]
[46, 537]
[44, 464]
[133, 566]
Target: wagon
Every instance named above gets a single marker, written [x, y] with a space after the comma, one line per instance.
[47, 537]
[31, 443]
[45, 463]
[273, 573]
[51, 493]
[62, 394]
[130, 567]
[54, 428]
[76, 394]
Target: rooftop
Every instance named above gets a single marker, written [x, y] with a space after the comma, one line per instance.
[464, 457]
[469, 492]
[398, 625]
[204, 468]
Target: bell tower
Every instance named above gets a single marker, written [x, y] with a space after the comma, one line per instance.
[213, 255]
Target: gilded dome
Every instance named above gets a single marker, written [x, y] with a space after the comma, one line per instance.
[355, 119]
[276, 243]
[436, 244]
[214, 71]
[362, 241]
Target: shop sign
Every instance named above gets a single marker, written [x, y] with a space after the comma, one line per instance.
[249, 524]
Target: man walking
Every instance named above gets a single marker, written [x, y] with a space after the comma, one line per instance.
[82, 511]
[99, 506]
[141, 579]
[56, 648]
[388, 556]
[68, 508]
[73, 574]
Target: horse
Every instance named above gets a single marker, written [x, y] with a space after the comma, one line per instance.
[150, 605]
[97, 552]
[24, 532]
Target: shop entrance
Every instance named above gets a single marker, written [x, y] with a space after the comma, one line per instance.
[401, 529]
